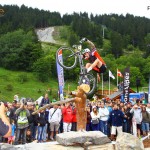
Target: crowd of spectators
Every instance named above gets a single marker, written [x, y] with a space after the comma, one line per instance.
[109, 117]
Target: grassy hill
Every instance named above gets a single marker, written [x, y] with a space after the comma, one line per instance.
[26, 85]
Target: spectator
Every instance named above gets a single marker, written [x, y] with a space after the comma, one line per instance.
[30, 107]
[137, 116]
[109, 107]
[45, 133]
[67, 117]
[5, 127]
[35, 125]
[22, 123]
[13, 128]
[54, 120]
[88, 123]
[95, 119]
[74, 119]
[148, 108]
[41, 120]
[145, 121]
[124, 123]
[36, 105]
[116, 120]
[129, 118]
[45, 100]
[104, 114]
[16, 97]
[29, 136]
[12, 110]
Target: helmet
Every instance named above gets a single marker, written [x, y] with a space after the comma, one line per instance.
[85, 51]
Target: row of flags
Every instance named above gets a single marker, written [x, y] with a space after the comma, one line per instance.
[119, 74]
[126, 82]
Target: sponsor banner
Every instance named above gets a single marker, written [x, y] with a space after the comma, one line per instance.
[126, 84]
[60, 74]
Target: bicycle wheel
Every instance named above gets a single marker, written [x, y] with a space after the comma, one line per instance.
[90, 80]
[69, 58]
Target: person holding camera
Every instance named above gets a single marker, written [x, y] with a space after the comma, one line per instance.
[67, 115]
[137, 117]
[5, 127]
[22, 122]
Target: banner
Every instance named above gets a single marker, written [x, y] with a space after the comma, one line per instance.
[126, 85]
[60, 74]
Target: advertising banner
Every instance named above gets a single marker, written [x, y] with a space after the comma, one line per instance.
[60, 74]
[126, 84]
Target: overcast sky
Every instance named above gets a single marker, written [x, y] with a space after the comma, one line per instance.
[135, 7]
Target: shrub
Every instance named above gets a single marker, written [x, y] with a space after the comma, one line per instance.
[9, 87]
[22, 78]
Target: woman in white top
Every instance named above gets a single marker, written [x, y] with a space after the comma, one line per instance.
[95, 119]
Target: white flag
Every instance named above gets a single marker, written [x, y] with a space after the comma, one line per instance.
[111, 75]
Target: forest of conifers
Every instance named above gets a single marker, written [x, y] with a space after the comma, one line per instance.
[123, 40]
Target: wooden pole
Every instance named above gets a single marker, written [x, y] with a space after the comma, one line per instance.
[55, 103]
[80, 102]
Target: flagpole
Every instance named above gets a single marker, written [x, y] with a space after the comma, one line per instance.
[109, 85]
[117, 77]
[102, 84]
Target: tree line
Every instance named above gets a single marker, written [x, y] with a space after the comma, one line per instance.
[132, 29]
[119, 39]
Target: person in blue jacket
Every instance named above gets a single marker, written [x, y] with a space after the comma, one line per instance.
[116, 120]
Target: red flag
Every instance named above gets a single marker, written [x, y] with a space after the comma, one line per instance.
[119, 74]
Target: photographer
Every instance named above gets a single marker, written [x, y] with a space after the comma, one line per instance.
[5, 127]
[22, 122]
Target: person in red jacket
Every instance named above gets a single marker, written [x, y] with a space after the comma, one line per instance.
[67, 115]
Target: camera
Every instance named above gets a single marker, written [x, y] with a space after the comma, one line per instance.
[23, 101]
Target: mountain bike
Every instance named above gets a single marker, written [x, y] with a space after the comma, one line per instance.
[70, 57]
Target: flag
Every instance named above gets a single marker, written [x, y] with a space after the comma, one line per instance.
[60, 74]
[111, 75]
[119, 74]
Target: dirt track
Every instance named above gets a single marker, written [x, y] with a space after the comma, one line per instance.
[45, 35]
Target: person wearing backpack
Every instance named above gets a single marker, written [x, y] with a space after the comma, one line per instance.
[22, 114]
[55, 116]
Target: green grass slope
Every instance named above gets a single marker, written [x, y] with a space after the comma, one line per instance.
[26, 85]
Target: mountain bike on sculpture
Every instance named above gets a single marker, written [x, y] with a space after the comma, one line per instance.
[70, 57]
